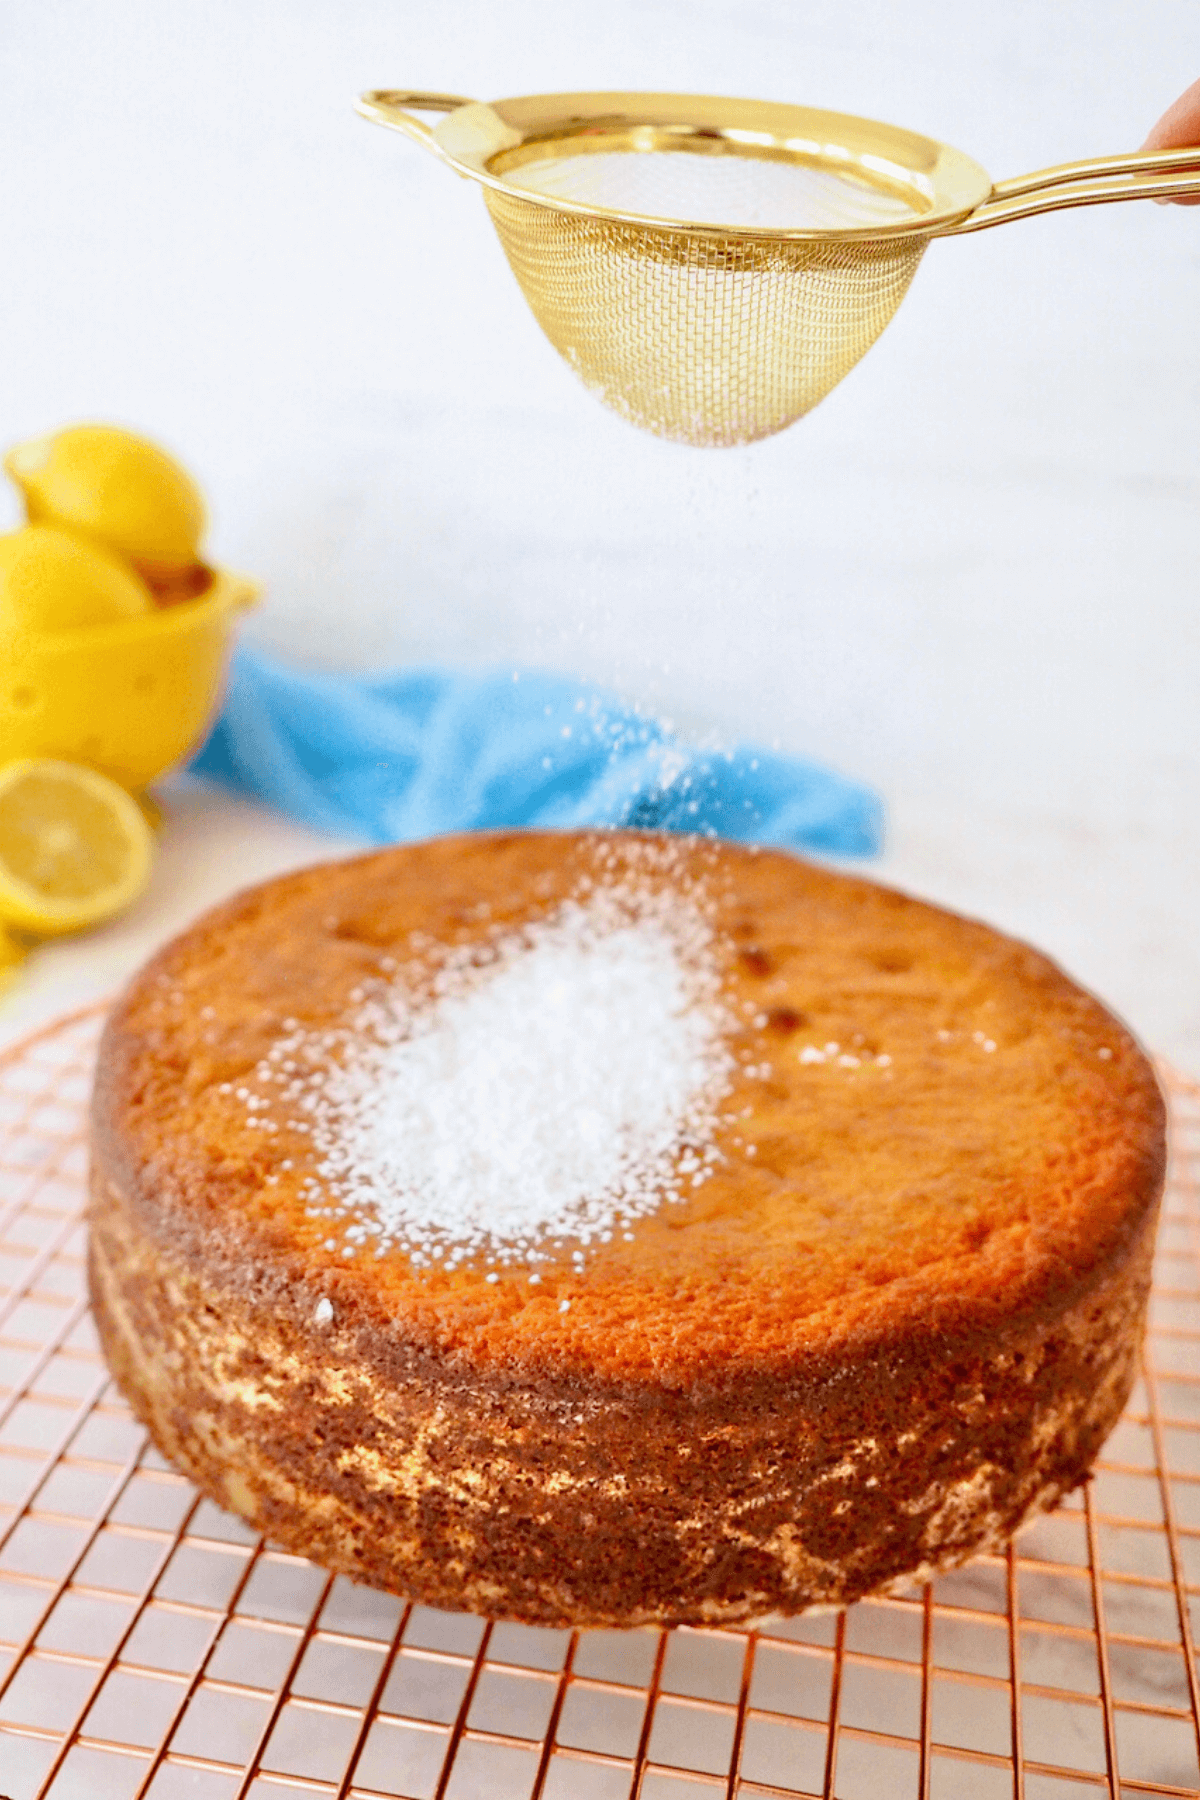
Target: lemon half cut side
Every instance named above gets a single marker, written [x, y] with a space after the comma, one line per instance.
[75, 849]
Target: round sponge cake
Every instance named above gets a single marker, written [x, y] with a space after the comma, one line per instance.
[866, 1292]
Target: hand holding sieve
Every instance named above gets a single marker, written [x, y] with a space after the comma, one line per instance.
[711, 268]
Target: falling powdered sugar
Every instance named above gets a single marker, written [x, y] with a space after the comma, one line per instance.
[545, 1089]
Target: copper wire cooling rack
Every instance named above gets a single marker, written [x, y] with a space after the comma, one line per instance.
[151, 1645]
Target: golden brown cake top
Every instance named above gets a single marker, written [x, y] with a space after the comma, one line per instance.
[905, 1125]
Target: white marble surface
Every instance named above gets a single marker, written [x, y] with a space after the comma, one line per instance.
[969, 578]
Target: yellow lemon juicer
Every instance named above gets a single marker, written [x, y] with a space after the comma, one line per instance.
[126, 689]
[711, 268]
[132, 699]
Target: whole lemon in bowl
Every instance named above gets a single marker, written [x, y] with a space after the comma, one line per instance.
[116, 488]
[51, 580]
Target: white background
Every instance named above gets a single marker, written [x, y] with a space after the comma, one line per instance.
[970, 577]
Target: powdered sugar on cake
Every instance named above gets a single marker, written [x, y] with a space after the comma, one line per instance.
[518, 1099]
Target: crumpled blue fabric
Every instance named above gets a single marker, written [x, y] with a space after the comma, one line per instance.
[418, 752]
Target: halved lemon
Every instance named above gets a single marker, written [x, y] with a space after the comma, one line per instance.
[12, 955]
[75, 848]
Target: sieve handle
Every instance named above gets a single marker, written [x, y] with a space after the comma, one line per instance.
[386, 106]
[1150, 175]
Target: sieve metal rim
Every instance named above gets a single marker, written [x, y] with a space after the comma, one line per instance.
[476, 135]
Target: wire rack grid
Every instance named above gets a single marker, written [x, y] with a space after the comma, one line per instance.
[151, 1645]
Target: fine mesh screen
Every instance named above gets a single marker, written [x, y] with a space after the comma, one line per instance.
[765, 193]
[151, 1645]
[702, 337]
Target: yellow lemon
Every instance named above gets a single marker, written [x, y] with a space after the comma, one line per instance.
[12, 955]
[117, 488]
[74, 847]
[51, 580]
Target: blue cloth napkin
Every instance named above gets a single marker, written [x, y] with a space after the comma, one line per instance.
[422, 751]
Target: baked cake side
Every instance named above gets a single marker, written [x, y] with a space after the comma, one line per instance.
[587, 1507]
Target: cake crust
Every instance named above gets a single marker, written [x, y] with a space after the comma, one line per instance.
[901, 1316]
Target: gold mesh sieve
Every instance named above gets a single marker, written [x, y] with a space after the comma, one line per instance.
[711, 268]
